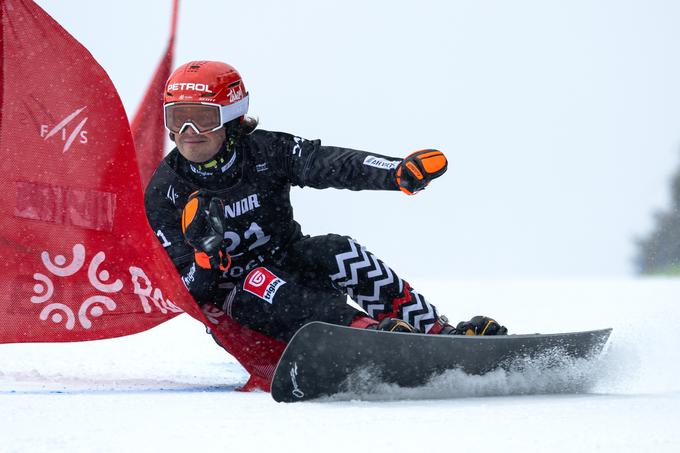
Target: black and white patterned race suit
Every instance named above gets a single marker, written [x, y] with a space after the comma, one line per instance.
[280, 279]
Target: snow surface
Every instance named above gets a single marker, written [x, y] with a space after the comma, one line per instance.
[172, 389]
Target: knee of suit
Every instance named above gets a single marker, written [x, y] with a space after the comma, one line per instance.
[328, 245]
[339, 241]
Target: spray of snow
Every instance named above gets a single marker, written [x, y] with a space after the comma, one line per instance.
[552, 373]
[615, 371]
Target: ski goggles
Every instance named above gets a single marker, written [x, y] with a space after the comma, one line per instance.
[202, 117]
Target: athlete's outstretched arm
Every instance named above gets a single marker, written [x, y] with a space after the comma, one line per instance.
[308, 163]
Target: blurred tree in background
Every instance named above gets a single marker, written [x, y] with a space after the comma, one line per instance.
[659, 253]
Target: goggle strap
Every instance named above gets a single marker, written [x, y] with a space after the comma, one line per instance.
[235, 110]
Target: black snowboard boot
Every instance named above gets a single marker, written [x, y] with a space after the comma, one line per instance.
[479, 325]
[386, 325]
[395, 325]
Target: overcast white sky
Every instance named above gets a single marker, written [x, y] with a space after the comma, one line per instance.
[560, 119]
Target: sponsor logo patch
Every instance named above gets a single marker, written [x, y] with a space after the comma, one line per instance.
[297, 149]
[263, 284]
[297, 393]
[235, 94]
[379, 162]
[237, 208]
[188, 86]
[171, 194]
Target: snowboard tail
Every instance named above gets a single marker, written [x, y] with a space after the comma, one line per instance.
[321, 357]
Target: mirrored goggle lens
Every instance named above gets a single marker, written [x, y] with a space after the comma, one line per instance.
[204, 117]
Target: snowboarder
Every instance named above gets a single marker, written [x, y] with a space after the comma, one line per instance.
[219, 203]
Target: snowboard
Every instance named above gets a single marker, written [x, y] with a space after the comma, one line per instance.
[321, 358]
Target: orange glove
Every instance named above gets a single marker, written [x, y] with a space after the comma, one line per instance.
[203, 228]
[416, 171]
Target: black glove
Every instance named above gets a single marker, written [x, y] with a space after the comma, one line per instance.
[416, 171]
[203, 228]
[479, 325]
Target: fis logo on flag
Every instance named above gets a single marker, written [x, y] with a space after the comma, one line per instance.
[69, 129]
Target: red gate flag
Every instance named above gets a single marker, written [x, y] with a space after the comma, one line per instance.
[78, 259]
[148, 131]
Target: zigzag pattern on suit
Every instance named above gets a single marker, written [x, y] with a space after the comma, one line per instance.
[418, 312]
[414, 308]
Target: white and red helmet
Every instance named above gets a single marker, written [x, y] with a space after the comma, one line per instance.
[203, 95]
